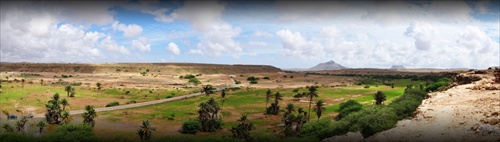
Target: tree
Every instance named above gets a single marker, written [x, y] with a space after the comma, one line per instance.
[53, 114]
[41, 82]
[145, 130]
[242, 130]
[72, 92]
[22, 82]
[223, 98]
[68, 89]
[319, 108]
[208, 116]
[274, 108]
[41, 125]
[379, 97]
[289, 109]
[207, 90]
[89, 115]
[312, 93]
[20, 125]
[65, 117]
[98, 87]
[64, 103]
[268, 97]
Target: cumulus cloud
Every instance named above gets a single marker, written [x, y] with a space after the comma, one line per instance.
[475, 39]
[423, 33]
[219, 40]
[112, 45]
[173, 48]
[131, 30]
[142, 44]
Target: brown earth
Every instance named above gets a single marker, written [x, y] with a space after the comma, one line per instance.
[467, 112]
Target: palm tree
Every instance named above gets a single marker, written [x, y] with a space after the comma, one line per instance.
[289, 109]
[268, 97]
[41, 125]
[223, 99]
[242, 130]
[312, 93]
[64, 103]
[20, 125]
[208, 89]
[300, 119]
[277, 97]
[68, 89]
[89, 116]
[66, 118]
[145, 131]
[98, 87]
[41, 82]
[22, 82]
[319, 108]
[379, 98]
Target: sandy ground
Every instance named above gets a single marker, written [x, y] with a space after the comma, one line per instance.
[463, 113]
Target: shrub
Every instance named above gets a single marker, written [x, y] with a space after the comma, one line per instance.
[348, 110]
[266, 78]
[443, 82]
[112, 104]
[169, 96]
[371, 120]
[320, 129]
[367, 86]
[253, 82]
[191, 127]
[296, 90]
[195, 81]
[251, 78]
[237, 82]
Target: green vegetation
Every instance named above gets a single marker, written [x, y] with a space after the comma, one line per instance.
[145, 130]
[253, 80]
[191, 127]
[194, 81]
[112, 104]
[440, 84]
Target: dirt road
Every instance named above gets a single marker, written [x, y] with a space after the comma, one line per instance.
[73, 112]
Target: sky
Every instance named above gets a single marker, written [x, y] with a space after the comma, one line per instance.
[285, 34]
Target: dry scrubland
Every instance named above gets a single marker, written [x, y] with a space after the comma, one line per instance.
[147, 82]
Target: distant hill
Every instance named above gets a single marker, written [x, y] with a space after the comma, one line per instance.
[398, 67]
[330, 65]
[163, 68]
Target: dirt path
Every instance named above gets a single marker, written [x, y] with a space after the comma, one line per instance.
[73, 112]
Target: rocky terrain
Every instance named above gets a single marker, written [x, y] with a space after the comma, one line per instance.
[468, 111]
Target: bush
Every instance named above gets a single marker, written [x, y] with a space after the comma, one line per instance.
[348, 110]
[169, 96]
[320, 129]
[367, 86]
[296, 90]
[266, 78]
[253, 82]
[252, 78]
[195, 81]
[112, 104]
[237, 82]
[191, 127]
[443, 82]
[371, 120]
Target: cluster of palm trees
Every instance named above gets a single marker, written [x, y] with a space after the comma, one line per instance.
[208, 116]
[274, 109]
[242, 130]
[292, 116]
[55, 114]
[71, 90]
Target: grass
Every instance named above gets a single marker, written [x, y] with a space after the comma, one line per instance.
[251, 102]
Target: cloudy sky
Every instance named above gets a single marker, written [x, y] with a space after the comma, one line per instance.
[285, 34]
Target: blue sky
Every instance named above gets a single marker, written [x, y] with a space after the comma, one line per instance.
[285, 34]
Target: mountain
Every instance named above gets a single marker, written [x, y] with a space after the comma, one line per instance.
[330, 65]
[398, 67]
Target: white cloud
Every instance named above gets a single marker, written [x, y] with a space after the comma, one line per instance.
[160, 15]
[475, 39]
[131, 30]
[219, 40]
[423, 33]
[173, 48]
[111, 45]
[142, 44]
